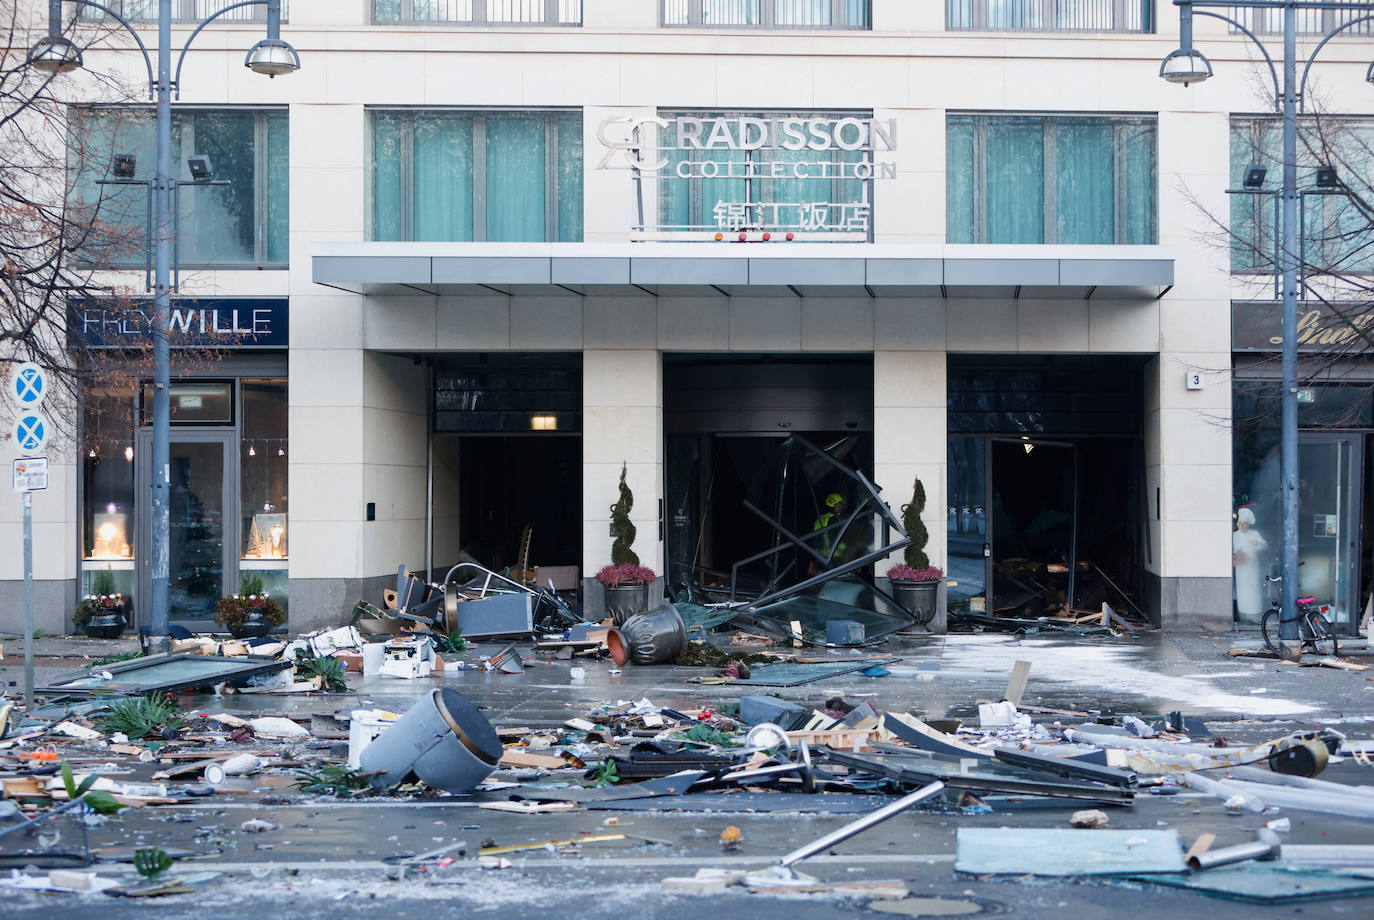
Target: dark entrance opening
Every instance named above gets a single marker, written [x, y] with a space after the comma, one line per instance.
[1045, 483]
[506, 462]
[725, 419]
[507, 485]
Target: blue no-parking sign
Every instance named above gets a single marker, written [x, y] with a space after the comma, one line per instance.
[28, 386]
[30, 432]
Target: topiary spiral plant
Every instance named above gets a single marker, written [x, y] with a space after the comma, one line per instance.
[915, 553]
[624, 530]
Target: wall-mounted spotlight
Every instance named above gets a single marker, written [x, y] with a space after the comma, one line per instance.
[1326, 177]
[125, 166]
[201, 170]
[1254, 176]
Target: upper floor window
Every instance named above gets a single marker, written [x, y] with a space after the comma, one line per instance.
[1308, 22]
[769, 14]
[1333, 210]
[184, 11]
[1051, 15]
[112, 158]
[480, 12]
[1051, 179]
[449, 176]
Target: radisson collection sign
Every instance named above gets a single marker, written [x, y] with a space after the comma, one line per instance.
[691, 148]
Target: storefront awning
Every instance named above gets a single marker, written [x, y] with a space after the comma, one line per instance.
[738, 269]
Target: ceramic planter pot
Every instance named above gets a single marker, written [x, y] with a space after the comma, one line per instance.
[656, 637]
[917, 598]
[254, 626]
[624, 601]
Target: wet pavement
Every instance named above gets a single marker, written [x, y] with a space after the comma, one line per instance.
[342, 859]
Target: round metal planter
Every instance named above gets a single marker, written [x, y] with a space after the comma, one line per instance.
[656, 637]
[917, 598]
[624, 601]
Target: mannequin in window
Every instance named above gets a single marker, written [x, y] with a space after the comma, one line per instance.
[1246, 547]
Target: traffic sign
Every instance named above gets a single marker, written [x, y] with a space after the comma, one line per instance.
[31, 474]
[28, 386]
[30, 432]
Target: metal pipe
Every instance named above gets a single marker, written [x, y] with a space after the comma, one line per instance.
[1259, 796]
[162, 256]
[861, 825]
[1264, 848]
[1288, 439]
[28, 602]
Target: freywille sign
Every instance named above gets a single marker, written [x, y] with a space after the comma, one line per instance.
[194, 323]
[779, 159]
[1347, 329]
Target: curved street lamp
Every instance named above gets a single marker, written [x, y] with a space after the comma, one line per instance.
[55, 54]
[1183, 66]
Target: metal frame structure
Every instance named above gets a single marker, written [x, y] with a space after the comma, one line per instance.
[1187, 65]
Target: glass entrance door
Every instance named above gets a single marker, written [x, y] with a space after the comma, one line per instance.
[202, 525]
[1329, 523]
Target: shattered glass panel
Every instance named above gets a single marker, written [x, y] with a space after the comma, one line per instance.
[1269, 883]
[166, 673]
[1059, 851]
[842, 599]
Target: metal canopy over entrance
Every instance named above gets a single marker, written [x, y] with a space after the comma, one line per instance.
[1072, 272]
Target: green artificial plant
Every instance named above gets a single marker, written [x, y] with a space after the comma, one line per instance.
[915, 553]
[622, 527]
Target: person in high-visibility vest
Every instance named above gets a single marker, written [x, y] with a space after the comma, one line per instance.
[834, 508]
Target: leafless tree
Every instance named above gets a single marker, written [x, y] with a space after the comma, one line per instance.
[57, 244]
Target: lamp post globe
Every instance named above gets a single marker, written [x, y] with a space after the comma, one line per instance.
[54, 54]
[273, 58]
[1186, 67]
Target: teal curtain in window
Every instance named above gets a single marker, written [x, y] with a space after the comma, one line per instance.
[441, 173]
[1052, 179]
[516, 166]
[959, 162]
[278, 187]
[1142, 184]
[570, 169]
[386, 176]
[1085, 192]
[1015, 181]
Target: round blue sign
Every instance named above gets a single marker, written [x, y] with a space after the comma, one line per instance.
[29, 385]
[30, 432]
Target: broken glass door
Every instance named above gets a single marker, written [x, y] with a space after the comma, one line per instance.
[1034, 510]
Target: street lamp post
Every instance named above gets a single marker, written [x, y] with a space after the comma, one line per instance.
[270, 56]
[1187, 65]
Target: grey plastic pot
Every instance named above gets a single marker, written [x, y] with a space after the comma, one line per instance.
[442, 739]
[656, 637]
[624, 601]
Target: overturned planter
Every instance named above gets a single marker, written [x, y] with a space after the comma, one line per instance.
[442, 739]
[656, 637]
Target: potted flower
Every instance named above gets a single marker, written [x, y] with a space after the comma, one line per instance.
[915, 583]
[625, 580]
[250, 613]
[104, 612]
[627, 589]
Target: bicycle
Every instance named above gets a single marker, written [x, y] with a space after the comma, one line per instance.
[1314, 629]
